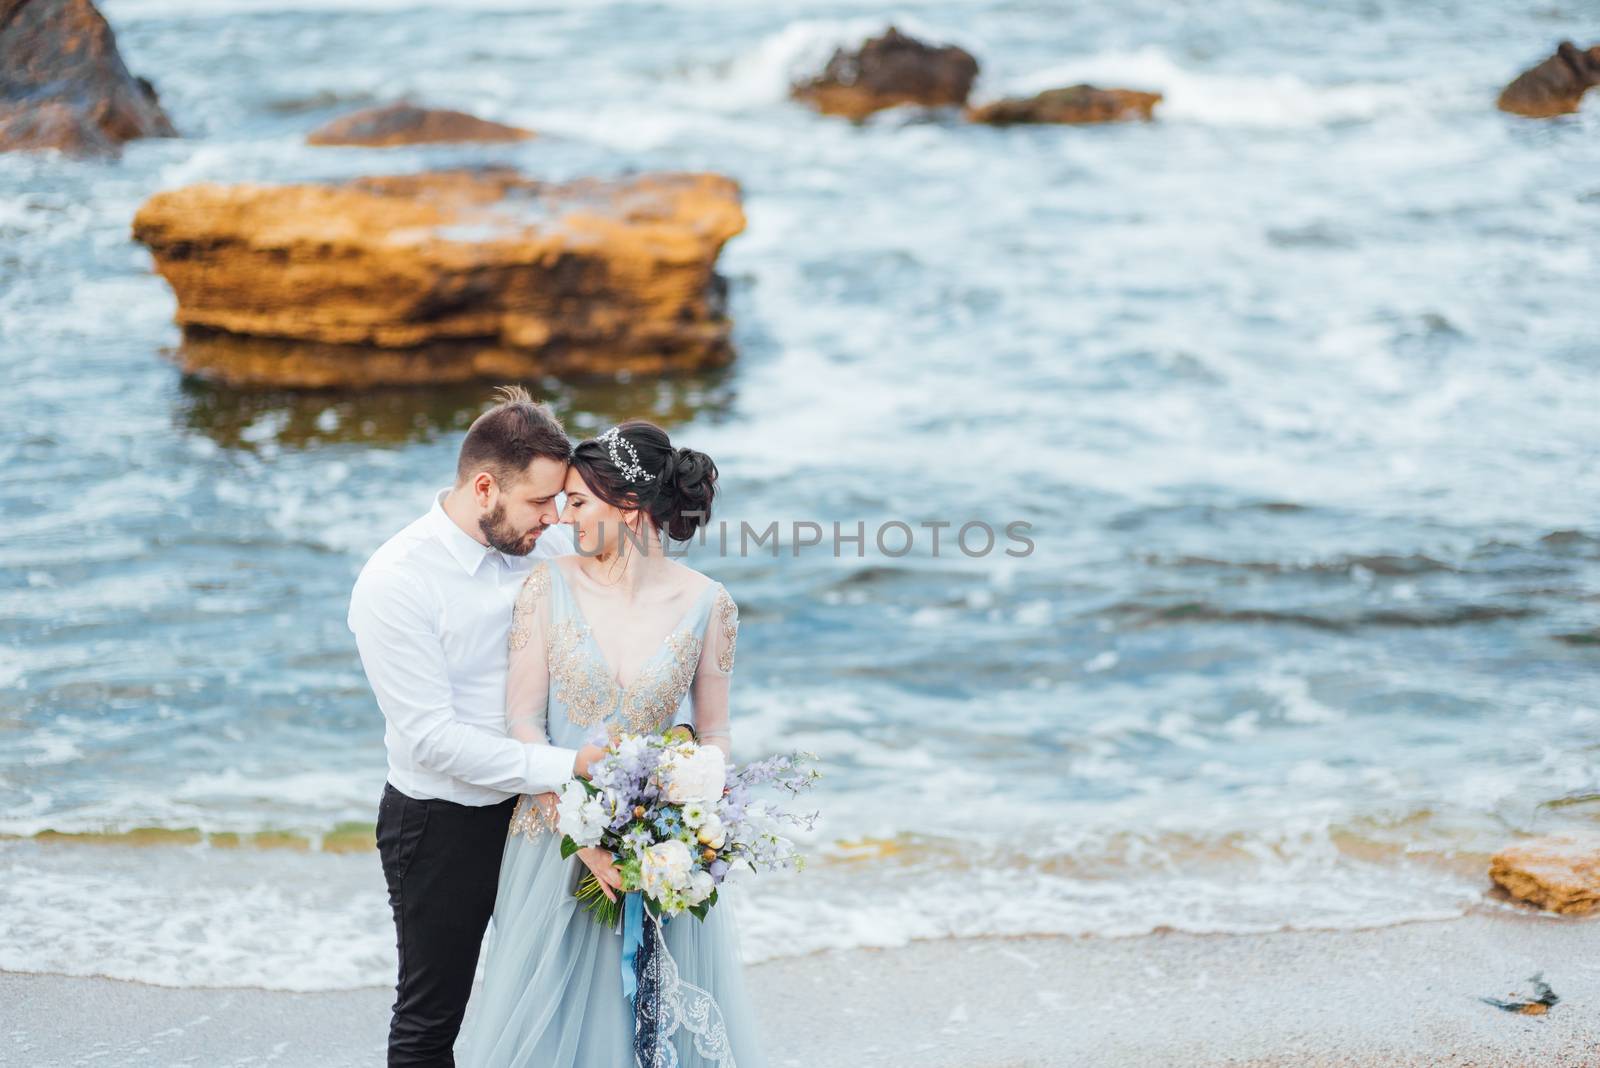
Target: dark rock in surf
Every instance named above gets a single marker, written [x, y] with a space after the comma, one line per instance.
[64, 86]
[1074, 104]
[408, 124]
[889, 71]
[1556, 86]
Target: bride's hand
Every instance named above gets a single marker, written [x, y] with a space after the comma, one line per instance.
[604, 865]
[582, 764]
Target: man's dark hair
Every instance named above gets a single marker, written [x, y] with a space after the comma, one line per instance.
[508, 437]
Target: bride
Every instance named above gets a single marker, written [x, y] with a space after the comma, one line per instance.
[618, 635]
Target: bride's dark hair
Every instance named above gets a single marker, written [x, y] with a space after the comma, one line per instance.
[677, 500]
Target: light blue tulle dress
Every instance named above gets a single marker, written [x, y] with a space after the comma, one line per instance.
[552, 994]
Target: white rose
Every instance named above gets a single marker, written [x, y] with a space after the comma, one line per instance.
[665, 865]
[700, 886]
[698, 776]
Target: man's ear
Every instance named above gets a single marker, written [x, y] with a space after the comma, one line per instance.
[482, 483]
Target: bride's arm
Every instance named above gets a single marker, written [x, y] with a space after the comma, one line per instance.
[528, 706]
[528, 680]
[714, 676]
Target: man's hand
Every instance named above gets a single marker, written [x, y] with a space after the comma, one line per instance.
[586, 756]
[604, 865]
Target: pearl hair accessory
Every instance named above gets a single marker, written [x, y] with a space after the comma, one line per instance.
[633, 471]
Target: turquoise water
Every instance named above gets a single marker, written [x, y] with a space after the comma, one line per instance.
[1296, 386]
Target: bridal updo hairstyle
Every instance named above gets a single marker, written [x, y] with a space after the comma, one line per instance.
[677, 501]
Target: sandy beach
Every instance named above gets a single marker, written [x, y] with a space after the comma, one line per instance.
[1397, 996]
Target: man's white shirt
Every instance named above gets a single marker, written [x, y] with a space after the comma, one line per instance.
[431, 611]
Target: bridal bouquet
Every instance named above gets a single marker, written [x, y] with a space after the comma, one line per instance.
[679, 820]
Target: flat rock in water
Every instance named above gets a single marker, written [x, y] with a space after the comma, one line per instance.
[888, 71]
[447, 276]
[408, 124]
[1556, 86]
[64, 86]
[1074, 104]
[1560, 873]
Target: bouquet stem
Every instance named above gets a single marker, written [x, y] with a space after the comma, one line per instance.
[594, 900]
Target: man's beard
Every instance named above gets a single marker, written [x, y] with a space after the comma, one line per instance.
[501, 535]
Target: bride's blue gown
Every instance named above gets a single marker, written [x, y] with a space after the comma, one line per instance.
[552, 994]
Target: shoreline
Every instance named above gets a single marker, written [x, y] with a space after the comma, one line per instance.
[1395, 996]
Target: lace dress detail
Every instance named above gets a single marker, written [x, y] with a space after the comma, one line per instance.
[670, 1003]
[535, 588]
[727, 614]
[657, 693]
[584, 683]
[530, 819]
[580, 680]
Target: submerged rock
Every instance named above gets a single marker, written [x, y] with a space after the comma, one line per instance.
[1556, 86]
[889, 71]
[408, 124]
[445, 276]
[1560, 873]
[1075, 103]
[64, 86]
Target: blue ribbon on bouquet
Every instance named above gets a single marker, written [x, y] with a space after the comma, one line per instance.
[632, 939]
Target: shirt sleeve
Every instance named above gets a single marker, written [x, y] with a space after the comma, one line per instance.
[396, 635]
[714, 675]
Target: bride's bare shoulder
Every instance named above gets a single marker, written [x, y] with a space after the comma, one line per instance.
[692, 581]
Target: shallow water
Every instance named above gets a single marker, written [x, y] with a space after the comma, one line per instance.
[1296, 387]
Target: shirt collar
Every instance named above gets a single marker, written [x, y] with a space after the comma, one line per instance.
[468, 551]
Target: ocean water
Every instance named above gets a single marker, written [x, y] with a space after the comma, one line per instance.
[1296, 386]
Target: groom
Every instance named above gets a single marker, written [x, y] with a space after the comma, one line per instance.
[431, 611]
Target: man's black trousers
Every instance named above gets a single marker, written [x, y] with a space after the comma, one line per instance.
[442, 863]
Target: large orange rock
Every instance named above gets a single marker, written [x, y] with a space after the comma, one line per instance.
[1556, 86]
[889, 71]
[445, 277]
[1560, 873]
[64, 86]
[407, 124]
[1075, 103]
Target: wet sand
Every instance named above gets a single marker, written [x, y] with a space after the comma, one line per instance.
[1394, 997]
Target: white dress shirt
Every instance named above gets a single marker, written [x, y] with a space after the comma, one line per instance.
[431, 611]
